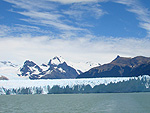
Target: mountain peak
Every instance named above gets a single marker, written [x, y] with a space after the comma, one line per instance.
[3, 78]
[116, 58]
[122, 61]
[121, 67]
[29, 63]
[57, 68]
[56, 60]
[59, 59]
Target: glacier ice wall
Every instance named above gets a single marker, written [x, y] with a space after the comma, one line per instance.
[88, 85]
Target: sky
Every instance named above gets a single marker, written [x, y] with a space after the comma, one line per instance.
[77, 30]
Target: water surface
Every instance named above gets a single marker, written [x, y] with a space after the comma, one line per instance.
[76, 103]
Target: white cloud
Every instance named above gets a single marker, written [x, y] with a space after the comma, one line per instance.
[46, 18]
[73, 1]
[41, 49]
[146, 26]
[40, 14]
[4, 30]
[125, 2]
[80, 11]
[32, 4]
[74, 13]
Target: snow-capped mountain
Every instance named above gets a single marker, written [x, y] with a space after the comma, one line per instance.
[56, 68]
[8, 70]
[29, 68]
[56, 60]
[80, 67]
[84, 66]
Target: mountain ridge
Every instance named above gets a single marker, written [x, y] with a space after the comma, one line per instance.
[121, 67]
[56, 68]
[29, 67]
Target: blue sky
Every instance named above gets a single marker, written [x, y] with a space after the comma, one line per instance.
[78, 30]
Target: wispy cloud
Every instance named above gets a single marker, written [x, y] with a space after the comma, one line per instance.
[39, 14]
[76, 1]
[143, 14]
[49, 13]
[47, 19]
[146, 26]
[81, 11]
[19, 30]
[4, 30]
[32, 4]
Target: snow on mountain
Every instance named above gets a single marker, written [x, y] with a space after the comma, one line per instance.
[56, 60]
[29, 69]
[83, 66]
[9, 70]
[44, 67]
[78, 66]
[57, 68]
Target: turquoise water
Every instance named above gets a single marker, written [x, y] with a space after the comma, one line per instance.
[76, 103]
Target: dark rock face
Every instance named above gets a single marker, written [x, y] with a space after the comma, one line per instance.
[121, 67]
[61, 71]
[27, 68]
[3, 78]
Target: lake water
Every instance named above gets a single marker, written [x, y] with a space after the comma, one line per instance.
[76, 103]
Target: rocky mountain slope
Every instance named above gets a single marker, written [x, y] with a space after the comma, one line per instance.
[56, 68]
[3, 78]
[120, 67]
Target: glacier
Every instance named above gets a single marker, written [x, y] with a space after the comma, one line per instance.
[61, 82]
[43, 86]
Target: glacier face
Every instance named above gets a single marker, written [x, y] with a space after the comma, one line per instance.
[61, 82]
[95, 84]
